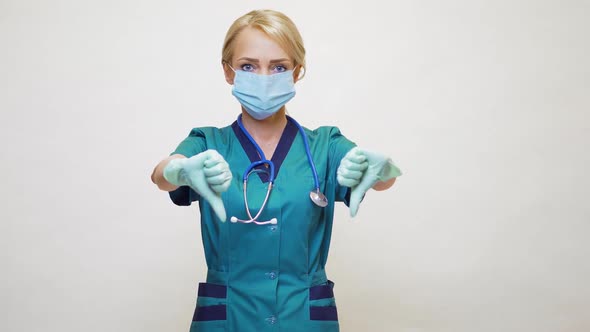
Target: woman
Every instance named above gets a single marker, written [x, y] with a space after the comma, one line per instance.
[266, 267]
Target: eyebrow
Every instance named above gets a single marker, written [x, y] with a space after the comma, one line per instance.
[256, 60]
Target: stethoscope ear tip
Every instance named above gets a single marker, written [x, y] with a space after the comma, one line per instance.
[273, 221]
[233, 219]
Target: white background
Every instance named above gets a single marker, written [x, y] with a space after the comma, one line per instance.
[483, 104]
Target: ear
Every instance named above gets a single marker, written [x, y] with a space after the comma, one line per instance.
[296, 73]
[228, 72]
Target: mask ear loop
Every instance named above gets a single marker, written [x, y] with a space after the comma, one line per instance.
[223, 62]
[301, 72]
[227, 63]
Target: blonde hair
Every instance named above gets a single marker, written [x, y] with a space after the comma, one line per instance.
[276, 25]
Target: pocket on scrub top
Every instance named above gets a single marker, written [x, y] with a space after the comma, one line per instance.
[322, 305]
[211, 310]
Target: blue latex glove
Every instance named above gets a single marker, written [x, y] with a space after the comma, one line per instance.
[207, 173]
[360, 170]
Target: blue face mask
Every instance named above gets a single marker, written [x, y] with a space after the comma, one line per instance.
[263, 95]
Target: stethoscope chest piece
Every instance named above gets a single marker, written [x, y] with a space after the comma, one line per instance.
[318, 198]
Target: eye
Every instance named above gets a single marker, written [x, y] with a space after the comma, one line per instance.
[279, 69]
[247, 67]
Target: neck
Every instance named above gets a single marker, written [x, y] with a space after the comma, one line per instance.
[267, 130]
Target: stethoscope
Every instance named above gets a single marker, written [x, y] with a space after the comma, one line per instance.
[315, 195]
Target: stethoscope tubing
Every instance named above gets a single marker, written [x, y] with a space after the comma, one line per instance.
[264, 161]
[308, 153]
[270, 163]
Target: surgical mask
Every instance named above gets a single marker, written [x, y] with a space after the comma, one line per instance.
[263, 95]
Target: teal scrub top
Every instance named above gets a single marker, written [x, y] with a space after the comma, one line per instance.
[268, 277]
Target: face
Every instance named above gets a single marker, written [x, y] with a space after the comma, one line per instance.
[255, 52]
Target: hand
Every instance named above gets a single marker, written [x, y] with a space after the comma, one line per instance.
[380, 168]
[352, 167]
[207, 173]
[217, 172]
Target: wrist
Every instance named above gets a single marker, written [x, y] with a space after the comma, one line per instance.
[388, 171]
[174, 172]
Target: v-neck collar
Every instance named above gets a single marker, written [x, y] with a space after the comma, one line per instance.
[280, 153]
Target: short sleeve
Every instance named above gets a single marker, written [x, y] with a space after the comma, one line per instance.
[339, 146]
[192, 145]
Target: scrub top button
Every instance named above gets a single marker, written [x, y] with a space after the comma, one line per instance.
[271, 320]
[273, 228]
[272, 275]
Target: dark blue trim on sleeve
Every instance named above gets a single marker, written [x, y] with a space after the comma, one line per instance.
[183, 196]
[347, 197]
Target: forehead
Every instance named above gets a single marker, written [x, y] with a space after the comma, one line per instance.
[254, 43]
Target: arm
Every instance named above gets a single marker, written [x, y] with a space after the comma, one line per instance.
[158, 174]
